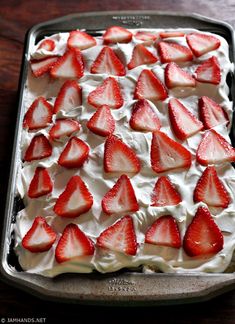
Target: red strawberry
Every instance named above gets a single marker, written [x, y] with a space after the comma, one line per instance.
[74, 154]
[202, 43]
[80, 40]
[211, 190]
[211, 113]
[121, 198]
[39, 114]
[165, 193]
[118, 157]
[166, 154]
[117, 34]
[41, 183]
[69, 96]
[146, 37]
[119, 237]
[171, 34]
[74, 200]
[70, 65]
[214, 149]
[47, 44]
[39, 148]
[108, 62]
[172, 52]
[149, 87]
[143, 117]
[73, 244]
[102, 122]
[203, 236]
[164, 232]
[40, 67]
[63, 127]
[209, 71]
[40, 236]
[176, 77]
[108, 93]
[183, 122]
[141, 55]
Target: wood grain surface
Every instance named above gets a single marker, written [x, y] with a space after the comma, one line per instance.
[16, 17]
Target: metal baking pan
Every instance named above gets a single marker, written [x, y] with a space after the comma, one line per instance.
[123, 287]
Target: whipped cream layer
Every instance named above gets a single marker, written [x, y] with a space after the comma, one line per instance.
[149, 256]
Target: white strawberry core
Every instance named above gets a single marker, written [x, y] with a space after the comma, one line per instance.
[75, 202]
[121, 163]
[107, 96]
[66, 70]
[211, 196]
[174, 53]
[39, 237]
[38, 149]
[117, 240]
[202, 44]
[40, 114]
[180, 78]
[64, 129]
[38, 65]
[101, 121]
[162, 233]
[73, 247]
[119, 203]
[81, 42]
[206, 75]
[71, 99]
[75, 151]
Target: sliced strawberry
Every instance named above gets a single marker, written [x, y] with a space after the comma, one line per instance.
[172, 52]
[165, 193]
[80, 40]
[117, 34]
[47, 44]
[108, 62]
[63, 127]
[41, 183]
[39, 148]
[203, 236]
[183, 122]
[39, 114]
[118, 157]
[70, 65]
[167, 154]
[74, 200]
[41, 67]
[74, 154]
[69, 97]
[164, 232]
[40, 236]
[176, 77]
[211, 190]
[149, 87]
[202, 43]
[119, 237]
[211, 113]
[209, 71]
[73, 244]
[143, 117]
[214, 149]
[102, 122]
[108, 93]
[171, 34]
[141, 55]
[121, 198]
[146, 37]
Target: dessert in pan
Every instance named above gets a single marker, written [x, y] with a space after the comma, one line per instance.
[125, 154]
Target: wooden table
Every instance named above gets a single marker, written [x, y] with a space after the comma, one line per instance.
[16, 17]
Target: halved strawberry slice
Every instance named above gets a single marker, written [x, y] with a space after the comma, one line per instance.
[108, 93]
[63, 127]
[172, 52]
[176, 77]
[119, 237]
[40, 236]
[143, 117]
[117, 34]
[80, 40]
[149, 87]
[203, 236]
[47, 44]
[146, 37]
[214, 149]
[167, 154]
[202, 43]
[211, 190]
[39, 148]
[211, 113]
[74, 154]
[39, 114]
[183, 122]
[118, 157]
[108, 62]
[102, 122]
[165, 193]
[74, 200]
[141, 55]
[164, 232]
[41, 67]
[171, 34]
[121, 198]
[41, 183]
[73, 244]
[69, 96]
[209, 71]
